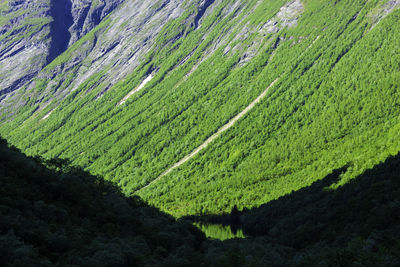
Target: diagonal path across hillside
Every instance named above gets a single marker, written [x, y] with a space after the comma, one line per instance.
[214, 136]
[144, 82]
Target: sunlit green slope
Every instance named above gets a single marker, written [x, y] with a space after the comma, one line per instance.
[339, 106]
[335, 101]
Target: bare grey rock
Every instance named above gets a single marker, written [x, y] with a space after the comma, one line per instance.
[35, 32]
[287, 16]
[383, 11]
[88, 14]
[24, 42]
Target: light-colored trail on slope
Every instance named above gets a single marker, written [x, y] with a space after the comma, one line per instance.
[144, 82]
[214, 136]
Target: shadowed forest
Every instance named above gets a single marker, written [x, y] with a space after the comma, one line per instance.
[356, 222]
[53, 213]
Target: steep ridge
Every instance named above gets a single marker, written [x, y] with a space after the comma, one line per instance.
[208, 61]
[175, 83]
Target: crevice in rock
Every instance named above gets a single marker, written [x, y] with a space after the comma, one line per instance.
[80, 22]
[60, 11]
[202, 9]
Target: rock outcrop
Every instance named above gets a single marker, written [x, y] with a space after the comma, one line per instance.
[24, 41]
[88, 14]
[35, 32]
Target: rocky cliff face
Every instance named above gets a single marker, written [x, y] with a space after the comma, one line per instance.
[113, 50]
[35, 32]
[24, 41]
[87, 14]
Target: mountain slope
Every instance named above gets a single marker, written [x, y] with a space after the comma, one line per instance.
[153, 81]
[318, 124]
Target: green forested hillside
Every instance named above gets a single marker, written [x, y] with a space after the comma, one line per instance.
[339, 106]
[335, 103]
